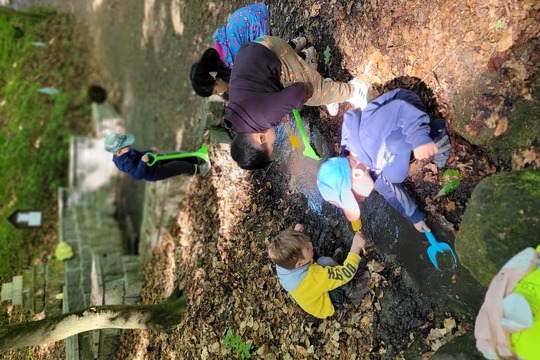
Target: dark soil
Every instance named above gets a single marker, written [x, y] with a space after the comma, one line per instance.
[227, 268]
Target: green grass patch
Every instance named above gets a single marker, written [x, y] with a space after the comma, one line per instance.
[35, 128]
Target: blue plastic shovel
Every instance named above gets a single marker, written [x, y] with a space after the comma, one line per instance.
[202, 153]
[437, 247]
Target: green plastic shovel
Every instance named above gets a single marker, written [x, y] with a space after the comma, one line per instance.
[202, 153]
[308, 150]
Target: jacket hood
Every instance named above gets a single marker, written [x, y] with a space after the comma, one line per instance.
[291, 279]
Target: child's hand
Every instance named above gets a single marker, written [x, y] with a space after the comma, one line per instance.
[145, 158]
[425, 151]
[358, 242]
[299, 227]
[421, 225]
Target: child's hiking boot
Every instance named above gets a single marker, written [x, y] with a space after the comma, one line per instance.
[358, 290]
[360, 96]
[337, 298]
[338, 256]
[311, 57]
[442, 140]
[299, 43]
[203, 169]
[332, 108]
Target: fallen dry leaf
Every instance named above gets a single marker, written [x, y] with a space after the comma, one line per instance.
[449, 324]
[505, 41]
[502, 126]
[315, 10]
[375, 267]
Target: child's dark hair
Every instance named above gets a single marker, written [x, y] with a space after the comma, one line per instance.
[287, 249]
[249, 156]
[201, 80]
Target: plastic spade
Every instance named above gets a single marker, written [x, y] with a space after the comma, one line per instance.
[437, 247]
[294, 140]
[356, 226]
[202, 153]
[308, 150]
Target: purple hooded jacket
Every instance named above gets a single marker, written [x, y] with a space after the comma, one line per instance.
[383, 137]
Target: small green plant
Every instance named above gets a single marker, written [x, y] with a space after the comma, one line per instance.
[499, 25]
[236, 344]
[450, 179]
[327, 54]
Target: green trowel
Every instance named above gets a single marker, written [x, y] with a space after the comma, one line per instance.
[202, 153]
[308, 150]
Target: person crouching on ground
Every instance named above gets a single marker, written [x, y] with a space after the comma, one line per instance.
[318, 287]
[210, 74]
[378, 143]
[134, 162]
[268, 81]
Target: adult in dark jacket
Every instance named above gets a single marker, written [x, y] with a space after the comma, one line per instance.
[268, 81]
[378, 142]
[134, 162]
[210, 74]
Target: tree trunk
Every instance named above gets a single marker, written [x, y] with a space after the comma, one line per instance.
[160, 317]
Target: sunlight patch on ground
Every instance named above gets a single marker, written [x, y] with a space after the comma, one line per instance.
[179, 137]
[168, 275]
[128, 97]
[154, 25]
[213, 7]
[96, 4]
[176, 16]
[225, 205]
[43, 351]
[140, 350]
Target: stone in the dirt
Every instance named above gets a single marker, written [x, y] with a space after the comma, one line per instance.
[502, 218]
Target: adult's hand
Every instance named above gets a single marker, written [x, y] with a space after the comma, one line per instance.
[425, 151]
[421, 225]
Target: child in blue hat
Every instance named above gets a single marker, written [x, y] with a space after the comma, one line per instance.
[379, 141]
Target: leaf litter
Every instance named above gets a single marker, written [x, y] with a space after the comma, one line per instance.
[216, 249]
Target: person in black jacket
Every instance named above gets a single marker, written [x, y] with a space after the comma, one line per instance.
[269, 80]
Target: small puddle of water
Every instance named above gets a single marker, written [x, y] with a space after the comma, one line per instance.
[301, 169]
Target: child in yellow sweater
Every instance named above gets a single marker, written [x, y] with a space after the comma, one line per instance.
[318, 287]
